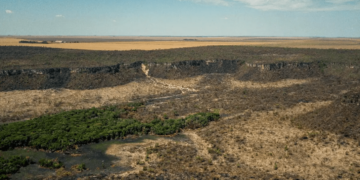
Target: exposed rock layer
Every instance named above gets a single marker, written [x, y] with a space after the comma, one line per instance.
[109, 76]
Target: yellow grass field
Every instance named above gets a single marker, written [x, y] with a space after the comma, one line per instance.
[323, 43]
[128, 45]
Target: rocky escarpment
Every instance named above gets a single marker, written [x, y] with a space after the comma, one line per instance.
[108, 76]
[281, 70]
[280, 65]
[184, 69]
[72, 78]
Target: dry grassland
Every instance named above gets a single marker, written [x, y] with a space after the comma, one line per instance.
[156, 45]
[130, 45]
[20, 105]
[266, 141]
[278, 84]
[133, 153]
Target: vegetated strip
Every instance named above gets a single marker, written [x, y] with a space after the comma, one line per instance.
[40, 58]
[12, 165]
[65, 130]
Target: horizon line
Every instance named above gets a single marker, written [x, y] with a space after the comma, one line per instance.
[176, 36]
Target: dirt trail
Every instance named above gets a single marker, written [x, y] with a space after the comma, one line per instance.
[200, 145]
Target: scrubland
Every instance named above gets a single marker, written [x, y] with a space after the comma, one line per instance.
[293, 122]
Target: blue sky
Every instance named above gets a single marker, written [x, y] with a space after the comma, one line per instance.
[309, 18]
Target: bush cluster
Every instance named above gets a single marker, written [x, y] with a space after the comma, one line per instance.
[50, 163]
[171, 126]
[80, 167]
[64, 130]
[12, 165]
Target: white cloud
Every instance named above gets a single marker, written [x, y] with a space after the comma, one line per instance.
[59, 16]
[8, 11]
[278, 4]
[339, 1]
[302, 5]
[290, 5]
[114, 21]
[215, 2]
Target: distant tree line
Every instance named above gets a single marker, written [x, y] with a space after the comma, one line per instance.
[34, 42]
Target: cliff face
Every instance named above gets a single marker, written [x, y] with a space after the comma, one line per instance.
[281, 70]
[108, 76]
[184, 69]
[280, 65]
[72, 78]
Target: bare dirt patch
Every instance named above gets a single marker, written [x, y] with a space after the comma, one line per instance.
[278, 84]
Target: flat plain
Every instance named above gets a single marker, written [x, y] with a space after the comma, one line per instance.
[156, 43]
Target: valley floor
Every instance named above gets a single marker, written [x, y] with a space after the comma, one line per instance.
[266, 129]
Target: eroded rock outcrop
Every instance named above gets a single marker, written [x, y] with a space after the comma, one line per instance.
[119, 74]
[72, 78]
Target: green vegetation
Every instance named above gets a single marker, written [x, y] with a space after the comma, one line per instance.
[51, 163]
[80, 167]
[12, 165]
[67, 129]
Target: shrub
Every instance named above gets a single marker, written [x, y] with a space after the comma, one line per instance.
[12, 165]
[50, 163]
[81, 167]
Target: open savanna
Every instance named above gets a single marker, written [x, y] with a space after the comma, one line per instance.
[283, 113]
[108, 44]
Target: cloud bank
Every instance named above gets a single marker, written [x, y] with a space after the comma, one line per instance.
[302, 5]
[59, 16]
[215, 2]
[290, 5]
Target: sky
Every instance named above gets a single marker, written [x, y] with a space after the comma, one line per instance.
[284, 18]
